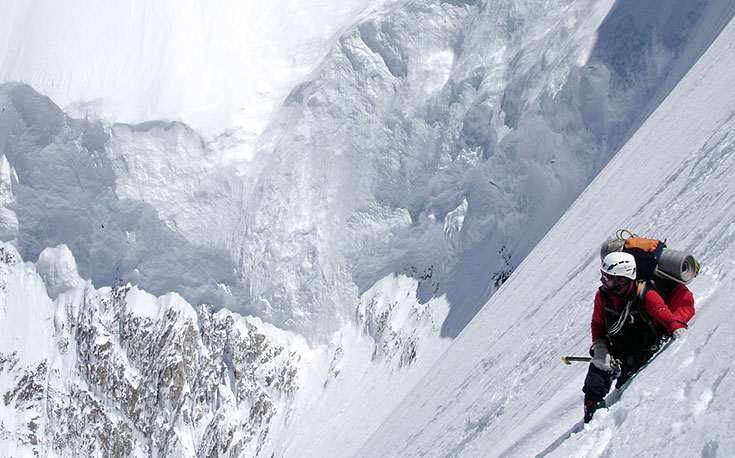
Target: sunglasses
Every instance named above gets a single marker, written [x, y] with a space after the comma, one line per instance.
[607, 277]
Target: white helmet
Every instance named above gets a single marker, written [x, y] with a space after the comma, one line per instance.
[618, 264]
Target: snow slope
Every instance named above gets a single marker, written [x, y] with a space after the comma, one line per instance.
[501, 389]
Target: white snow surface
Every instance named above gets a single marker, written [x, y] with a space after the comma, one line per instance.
[58, 269]
[348, 193]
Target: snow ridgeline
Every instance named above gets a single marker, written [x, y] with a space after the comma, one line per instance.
[120, 372]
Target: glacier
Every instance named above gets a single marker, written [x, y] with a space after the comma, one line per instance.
[280, 255]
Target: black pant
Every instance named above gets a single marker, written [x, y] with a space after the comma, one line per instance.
[598, 382]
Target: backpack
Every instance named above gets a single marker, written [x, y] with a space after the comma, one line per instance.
[654, 261]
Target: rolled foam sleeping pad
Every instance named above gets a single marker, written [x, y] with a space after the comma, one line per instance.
[678, 264]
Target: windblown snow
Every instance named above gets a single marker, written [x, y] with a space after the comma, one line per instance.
[357, 228]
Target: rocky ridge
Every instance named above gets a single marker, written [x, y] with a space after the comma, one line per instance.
[116, 371]
[152, 379]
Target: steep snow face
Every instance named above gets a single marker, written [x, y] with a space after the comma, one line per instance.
[217, 68]
[493, 115]
[396, 131]
[501, 389]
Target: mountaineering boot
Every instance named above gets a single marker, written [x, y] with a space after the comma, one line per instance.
[590, 406]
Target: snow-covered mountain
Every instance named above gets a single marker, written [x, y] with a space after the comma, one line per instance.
[433, 139]
[281, 271]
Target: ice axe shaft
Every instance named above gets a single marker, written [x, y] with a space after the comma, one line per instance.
[568, 360]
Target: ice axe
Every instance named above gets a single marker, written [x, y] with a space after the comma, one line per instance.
[615, 364]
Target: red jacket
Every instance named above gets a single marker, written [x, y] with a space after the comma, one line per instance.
[671, 317]
[681, 303]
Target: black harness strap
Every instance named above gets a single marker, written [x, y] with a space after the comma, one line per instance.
[633, 304]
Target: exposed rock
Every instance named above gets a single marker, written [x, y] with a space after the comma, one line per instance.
[147, 375]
